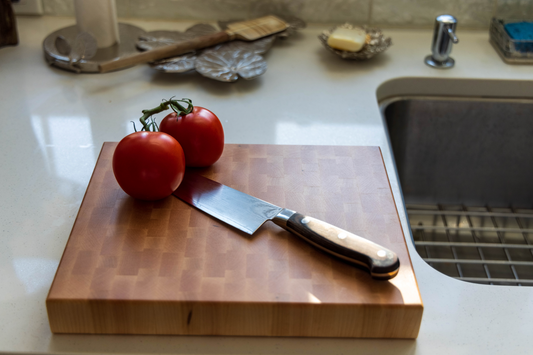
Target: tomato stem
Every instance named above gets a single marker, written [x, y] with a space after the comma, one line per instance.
[173, 104]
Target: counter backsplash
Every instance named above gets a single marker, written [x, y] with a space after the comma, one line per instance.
[408, 13]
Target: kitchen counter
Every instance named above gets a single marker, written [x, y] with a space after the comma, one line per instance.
[55, 123]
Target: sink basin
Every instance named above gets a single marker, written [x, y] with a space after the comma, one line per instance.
[465, 169]
[456, 150]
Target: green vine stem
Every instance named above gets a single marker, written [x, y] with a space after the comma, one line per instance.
[165, 105]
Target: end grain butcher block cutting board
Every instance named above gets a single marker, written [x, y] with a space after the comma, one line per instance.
[134, 267]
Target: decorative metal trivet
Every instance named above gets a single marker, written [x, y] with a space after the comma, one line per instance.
[376, 43]
[224, 62]
[76, 51]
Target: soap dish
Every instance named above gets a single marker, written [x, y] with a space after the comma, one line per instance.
[376, 43]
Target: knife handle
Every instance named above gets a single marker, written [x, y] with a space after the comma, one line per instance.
[381, 262]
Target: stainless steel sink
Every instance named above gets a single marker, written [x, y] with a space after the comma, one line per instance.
[465, 167]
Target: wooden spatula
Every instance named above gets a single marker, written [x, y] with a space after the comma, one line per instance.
[247, 30]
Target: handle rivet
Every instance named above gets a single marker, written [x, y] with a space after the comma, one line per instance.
[342, 235]
[382, 253]
[306, 220]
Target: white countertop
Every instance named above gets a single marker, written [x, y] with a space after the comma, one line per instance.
[54, 124]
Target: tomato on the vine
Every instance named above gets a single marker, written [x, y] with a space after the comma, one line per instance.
[149, 165]
[200, 134]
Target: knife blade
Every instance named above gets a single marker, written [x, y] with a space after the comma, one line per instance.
[248, 213]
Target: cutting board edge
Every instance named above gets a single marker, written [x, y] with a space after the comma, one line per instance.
[232, 319]
[401, 227]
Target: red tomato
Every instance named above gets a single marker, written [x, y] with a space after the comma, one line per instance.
[200, 134]
[149, 165]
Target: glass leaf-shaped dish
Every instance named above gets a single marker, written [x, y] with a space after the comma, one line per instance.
[259, 46]
[223, 62]
[181, 64]
[236, 53]
[229, 65]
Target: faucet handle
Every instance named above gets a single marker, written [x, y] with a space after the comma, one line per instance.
[452, 35]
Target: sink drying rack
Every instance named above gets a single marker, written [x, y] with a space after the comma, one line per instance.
[475, 244]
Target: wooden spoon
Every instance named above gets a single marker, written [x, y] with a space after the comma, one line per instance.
[246, 30]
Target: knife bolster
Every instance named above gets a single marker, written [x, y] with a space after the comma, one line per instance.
[283, 217]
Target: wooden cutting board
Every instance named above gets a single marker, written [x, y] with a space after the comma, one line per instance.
[134, 267]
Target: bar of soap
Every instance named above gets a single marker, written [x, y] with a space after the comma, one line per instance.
[350, 40]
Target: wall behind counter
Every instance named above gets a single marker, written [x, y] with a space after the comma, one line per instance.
[384, 13]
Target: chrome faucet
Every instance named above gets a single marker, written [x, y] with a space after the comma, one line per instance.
[443, 37]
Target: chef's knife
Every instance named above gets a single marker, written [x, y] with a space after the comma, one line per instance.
[248, 213]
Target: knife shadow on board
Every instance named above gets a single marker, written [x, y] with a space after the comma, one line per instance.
[248, 214]
[290, 254]
[303, 262]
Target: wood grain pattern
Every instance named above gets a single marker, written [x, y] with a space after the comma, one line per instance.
[252, 30]
[134, 267]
